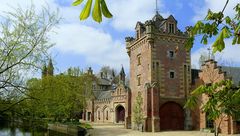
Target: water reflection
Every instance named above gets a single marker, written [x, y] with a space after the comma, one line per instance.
[11, 129]
[13, 132]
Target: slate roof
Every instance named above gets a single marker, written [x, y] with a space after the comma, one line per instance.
[103, 81]
[233, 72]
[102, 94]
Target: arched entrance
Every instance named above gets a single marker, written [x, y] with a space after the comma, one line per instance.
[120, 114]
[171, 116]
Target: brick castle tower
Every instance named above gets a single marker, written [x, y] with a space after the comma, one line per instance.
[160, 70]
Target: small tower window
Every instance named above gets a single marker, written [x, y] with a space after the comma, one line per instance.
[139, 80]
[171, 28]
[139, 59]
[172, 74]
[171, 54]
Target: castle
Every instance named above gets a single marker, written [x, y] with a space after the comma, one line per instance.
[160, 70]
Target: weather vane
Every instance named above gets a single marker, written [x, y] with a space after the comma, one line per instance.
[209, 53]
[156, 6]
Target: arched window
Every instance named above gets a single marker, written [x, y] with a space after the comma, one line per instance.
[99, 115]
[107, 115]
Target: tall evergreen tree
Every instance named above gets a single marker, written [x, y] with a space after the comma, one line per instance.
[44, 70]
[138, 111]
[50, 68]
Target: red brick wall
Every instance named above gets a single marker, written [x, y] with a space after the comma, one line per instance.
[211, 73]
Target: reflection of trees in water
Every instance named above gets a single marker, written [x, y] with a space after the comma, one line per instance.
[21, 128]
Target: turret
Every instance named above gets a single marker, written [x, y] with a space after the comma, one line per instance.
[122, 76]
[90, 71]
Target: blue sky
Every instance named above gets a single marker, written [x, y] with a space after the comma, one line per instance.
[87, 43]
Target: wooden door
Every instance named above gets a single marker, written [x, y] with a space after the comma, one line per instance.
[171, 116]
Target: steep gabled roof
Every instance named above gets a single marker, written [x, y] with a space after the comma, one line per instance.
[139, 24]
[172, 18]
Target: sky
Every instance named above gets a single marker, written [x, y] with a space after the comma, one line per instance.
[90, 44]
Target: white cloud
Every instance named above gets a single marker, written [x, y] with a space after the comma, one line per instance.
[95, 45]
[229, 55]
[128, 12]
[215, 6]
[196, 55]
[9, 5]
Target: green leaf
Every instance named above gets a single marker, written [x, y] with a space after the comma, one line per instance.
[191, 102]
[86, 11]
[189, 43]
[105, 10]
[226, 32]
[204, 39]
[197, 28]
[97, 14]
[228, 19]
[219, 44]
[209, 15]
[77, 2]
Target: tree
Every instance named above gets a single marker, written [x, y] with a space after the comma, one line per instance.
[223, 100]
[59, 96]
[100, 8]
[138, 111]
[216, 25]
[74, 71]
[109, 73]
[203, 57]
[24, 44]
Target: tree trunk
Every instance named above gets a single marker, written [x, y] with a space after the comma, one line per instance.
[216, 128]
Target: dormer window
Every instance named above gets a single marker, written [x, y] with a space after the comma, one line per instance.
[171, 28]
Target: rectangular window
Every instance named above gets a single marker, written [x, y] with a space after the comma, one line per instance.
[139, 80]
[171, 75]
[171, 54]
[139, 59]
[171, 28]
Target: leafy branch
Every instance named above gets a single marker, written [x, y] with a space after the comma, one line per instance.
[100, 8]
[216, 25]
